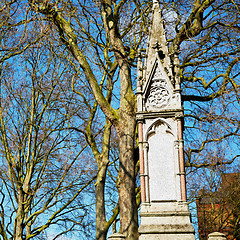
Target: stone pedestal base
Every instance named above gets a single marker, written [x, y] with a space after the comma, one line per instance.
[116, 236]
[165, 221]
[217, 236]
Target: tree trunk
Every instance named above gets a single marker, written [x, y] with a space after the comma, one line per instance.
[126, 178]
[102, 161]
[18, 230]
[101, 232]
[126, 186]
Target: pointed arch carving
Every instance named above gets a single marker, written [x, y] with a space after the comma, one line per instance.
[161, 161]
[158, 91]
[159, 126]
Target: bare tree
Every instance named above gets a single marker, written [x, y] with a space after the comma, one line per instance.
[103, 38]
[43, 172]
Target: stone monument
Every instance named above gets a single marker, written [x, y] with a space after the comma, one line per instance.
[164, 210]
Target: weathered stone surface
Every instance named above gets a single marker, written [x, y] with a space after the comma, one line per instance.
[158, 90]
[217, 236]
[162, 174]
[161, 159]
[165, 220]
[116, 236]
[166, 237]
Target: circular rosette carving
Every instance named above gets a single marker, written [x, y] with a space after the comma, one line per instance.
[159, 95]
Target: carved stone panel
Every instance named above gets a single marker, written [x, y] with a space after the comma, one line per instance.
[161, 162]
[160, 94]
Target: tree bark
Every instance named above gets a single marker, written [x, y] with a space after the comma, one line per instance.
[18, 230]
[126, 133]
[126, 184]
[101, 232]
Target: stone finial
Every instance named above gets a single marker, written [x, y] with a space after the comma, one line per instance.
[116, 236]
[217, 236]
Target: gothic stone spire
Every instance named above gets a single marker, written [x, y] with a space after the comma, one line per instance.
[164, 210]
[156, 86]
[157, 43]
